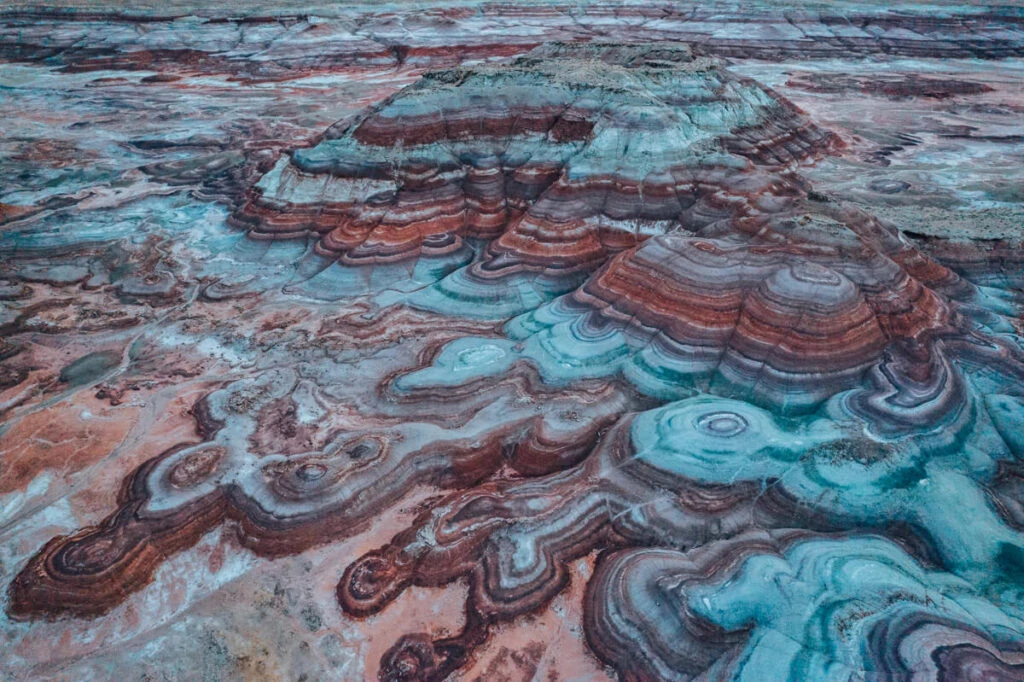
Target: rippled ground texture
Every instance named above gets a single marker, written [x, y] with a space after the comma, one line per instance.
[512, 342]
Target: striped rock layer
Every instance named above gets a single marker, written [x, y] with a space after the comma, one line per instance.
[784, 439]
[569, 155]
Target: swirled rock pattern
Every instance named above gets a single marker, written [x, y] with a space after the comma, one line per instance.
[512, 341]
[876, 612]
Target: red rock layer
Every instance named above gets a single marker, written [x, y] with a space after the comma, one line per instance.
[552, 170]
[444, 37]
[513, 541]
[781, 319]
[298, 500]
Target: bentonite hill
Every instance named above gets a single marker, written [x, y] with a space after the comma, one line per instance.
[512, 341]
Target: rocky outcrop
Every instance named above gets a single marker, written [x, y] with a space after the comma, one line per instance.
[259, 46]
[578, 315]
[568, 156]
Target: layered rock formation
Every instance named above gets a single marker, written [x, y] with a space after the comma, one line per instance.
[570, 155]
[568, 335]
[284, 499]
[276, 43]
[664, 614]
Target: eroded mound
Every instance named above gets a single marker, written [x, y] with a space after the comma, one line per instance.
[548, 166]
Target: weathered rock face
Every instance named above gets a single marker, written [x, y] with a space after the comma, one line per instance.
[598, 334]
[665, 614]
[555, 163]
[265, 41]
